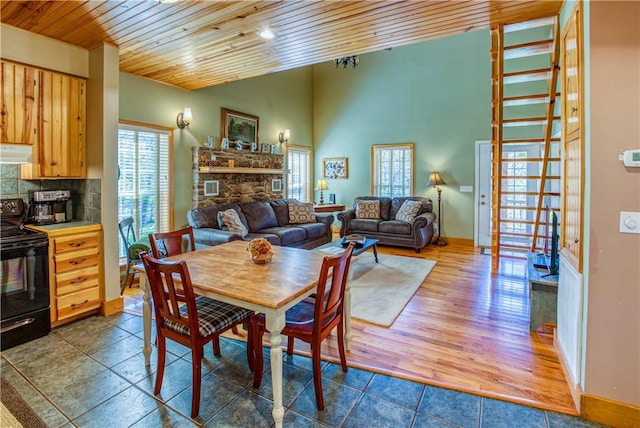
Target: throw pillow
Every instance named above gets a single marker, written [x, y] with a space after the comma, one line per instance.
[408, 210]
[232, 221]
[367, 208]
[301, 212]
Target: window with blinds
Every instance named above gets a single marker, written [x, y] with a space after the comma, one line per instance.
[392, 173]
[144, 179]
[299, 182]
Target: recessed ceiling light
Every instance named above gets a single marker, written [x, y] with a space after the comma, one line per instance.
[266, 34]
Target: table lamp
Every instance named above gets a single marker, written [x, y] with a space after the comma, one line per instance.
[435, 180]
[322, 186]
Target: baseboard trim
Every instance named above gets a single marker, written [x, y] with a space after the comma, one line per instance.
[574, 388]
[609, 412]
[458, 241]
[112, 307]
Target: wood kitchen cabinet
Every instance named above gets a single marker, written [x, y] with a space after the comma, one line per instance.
[20, 94]
[61, 148]
[572, 141]
[75, 272]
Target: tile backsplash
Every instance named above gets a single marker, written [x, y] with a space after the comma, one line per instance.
[85, 193]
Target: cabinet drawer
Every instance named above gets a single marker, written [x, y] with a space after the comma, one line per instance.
[77, 303]
[75, 242]
[75, 260]
[76, 280]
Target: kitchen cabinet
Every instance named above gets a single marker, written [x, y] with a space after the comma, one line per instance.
[61, 148]
[75, 272]
[572, 209]
[20, 94]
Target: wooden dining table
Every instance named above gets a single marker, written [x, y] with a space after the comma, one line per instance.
[226, 273]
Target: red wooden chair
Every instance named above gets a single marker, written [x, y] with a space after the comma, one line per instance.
[312, 320]
[189, 320]
[166, 244]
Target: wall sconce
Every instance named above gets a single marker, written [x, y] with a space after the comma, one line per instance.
[184, 119]
[283, 137]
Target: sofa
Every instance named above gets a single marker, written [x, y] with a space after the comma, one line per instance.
[262, 219]
[387, 225]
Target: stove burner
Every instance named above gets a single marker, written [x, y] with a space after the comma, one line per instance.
[12, 230]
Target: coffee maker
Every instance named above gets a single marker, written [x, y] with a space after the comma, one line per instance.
[48, 207]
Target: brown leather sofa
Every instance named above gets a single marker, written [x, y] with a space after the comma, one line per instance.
[263, 219]
[387, 229]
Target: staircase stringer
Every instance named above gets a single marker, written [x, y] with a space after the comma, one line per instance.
[553, 83]
[497, 61]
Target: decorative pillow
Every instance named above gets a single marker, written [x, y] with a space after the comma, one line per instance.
[408, 210]
[232, 221]
[367, 208]
[301, 212]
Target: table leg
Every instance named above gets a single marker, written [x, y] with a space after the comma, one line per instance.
[375, 251]
[275, 323]
[146, 319]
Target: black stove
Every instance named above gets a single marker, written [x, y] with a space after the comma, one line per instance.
[24, 277]
[12, 230]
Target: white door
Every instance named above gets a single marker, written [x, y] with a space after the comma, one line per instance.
[482, 233]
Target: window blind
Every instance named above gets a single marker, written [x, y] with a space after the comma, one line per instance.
[392, 170]
[299, 178]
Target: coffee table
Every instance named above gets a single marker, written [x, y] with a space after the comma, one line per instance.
[335, 247]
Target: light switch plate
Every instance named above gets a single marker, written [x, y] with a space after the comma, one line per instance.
[629, 222]
[466, 189]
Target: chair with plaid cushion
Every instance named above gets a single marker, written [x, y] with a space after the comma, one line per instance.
[189, 320]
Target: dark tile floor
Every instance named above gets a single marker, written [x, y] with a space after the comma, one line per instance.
[91, 373]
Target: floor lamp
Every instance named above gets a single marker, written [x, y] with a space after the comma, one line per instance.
[435, 180]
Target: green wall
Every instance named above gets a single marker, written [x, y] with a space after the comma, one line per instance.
[280, 100]
[436, 94]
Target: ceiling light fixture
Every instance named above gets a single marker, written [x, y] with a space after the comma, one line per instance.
[266, 34]
[346, 60]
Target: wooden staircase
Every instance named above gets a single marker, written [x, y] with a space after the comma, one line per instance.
[526, 149]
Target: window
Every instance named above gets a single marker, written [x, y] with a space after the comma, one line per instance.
[144, 178]
[299, 182]
[392, 173]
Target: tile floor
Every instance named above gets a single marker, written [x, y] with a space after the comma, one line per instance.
[91, 373]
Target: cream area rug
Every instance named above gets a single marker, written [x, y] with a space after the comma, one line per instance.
[380, 291]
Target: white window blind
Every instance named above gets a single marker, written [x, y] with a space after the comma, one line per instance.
[144, 184]
[392, 170]
[299, 182]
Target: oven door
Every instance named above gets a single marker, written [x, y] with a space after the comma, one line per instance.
[24, 290]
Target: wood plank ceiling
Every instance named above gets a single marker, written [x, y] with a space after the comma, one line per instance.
[195, 44]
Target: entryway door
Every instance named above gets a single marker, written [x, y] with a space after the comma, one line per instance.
[482, 222]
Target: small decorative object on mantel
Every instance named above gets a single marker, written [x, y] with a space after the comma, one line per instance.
[259, 251]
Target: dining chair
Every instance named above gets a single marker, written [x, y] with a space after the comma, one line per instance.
[166, 244]
[312, 320]
[190, 320]
[132, 248]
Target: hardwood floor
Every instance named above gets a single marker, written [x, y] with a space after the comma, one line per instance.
[464, 329]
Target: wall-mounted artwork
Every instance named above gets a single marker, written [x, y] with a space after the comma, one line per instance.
[276, 185]
[239, 126]
[334, 168]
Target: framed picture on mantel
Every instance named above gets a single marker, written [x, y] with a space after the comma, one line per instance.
[236, 125]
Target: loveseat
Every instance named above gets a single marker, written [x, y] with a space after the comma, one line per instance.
[411, 226]
[262, 219]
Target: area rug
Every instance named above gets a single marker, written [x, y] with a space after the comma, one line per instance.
[380, 291]
[14, 411]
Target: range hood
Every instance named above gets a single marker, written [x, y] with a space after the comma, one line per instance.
[15, 153]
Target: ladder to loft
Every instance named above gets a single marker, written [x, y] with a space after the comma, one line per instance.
[526, 146]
